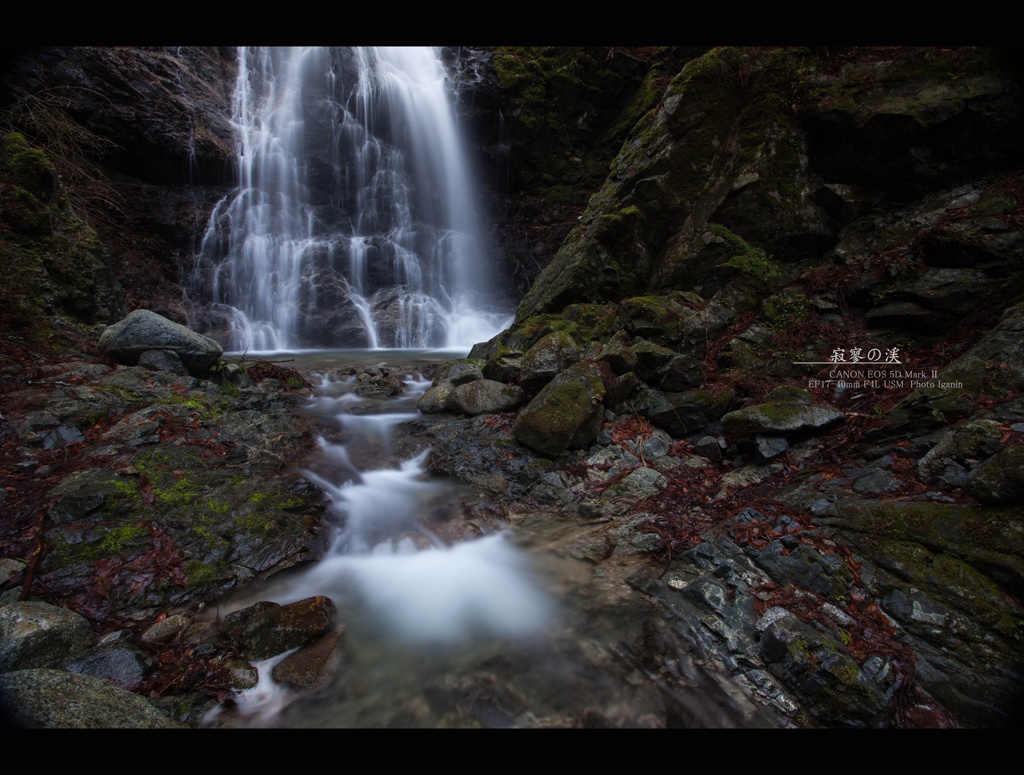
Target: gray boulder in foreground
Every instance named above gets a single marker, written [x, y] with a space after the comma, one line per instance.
[779, 418]
[35, 635]
[52, 699]
[143, 330]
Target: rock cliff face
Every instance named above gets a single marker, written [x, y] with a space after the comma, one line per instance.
[141, 146]
[786, 149]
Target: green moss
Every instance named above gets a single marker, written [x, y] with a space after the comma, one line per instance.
[117, 540]
[785, 310]
[591, 322]
[54, 265]
[199, 573]
[954, 553]
[119, 391]
[256, 522]
[127, 489]
[180, 493]
[206, 409]
[751, 262]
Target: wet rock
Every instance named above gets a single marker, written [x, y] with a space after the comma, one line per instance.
[709, 447]
[40, 635]
[662, 319]
[651, 360]
[166, 630]
[138, 428]
[961, 446]
[552, 354]
[768, 447]
[63, 436]
[435, 399]
[992, 367]
[788, 394]
[503, 365]
[312, 666]
[931, 299]
[124, 664]
[639, 483]
[823, 675]
[81, 493]
[876, 481]
[163, 360]
[566, 413]
[483, 396]
[143, 330]
[682, 373]
[1000, 479]
[779, 418]
[459, 372]
[265, 629]
[618, 353]
[805, 567]
[54, 699]
[683, 413]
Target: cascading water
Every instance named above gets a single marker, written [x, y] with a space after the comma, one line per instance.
[410, 600]
[356, 222]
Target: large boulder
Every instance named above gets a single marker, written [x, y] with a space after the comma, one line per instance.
[52, 699]
[143, 330]
[484, 396]
[682, 413]
[265, 629]
[783, 417]
[553, 353]
[34, 634]
[566, 413]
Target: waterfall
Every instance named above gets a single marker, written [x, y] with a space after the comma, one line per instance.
[356, 222]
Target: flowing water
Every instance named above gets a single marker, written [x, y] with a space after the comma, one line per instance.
[438, 632]
[501, 625]
[410, 600]
[356, 221]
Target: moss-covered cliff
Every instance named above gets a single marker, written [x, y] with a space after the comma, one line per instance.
[784, 147]
[57, 274]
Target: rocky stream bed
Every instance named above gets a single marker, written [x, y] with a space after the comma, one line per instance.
[702, 581]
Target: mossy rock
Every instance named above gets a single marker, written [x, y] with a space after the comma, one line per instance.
[683, 413]
[775, 418]
[823, 675]
[999, 481]
[988, 538]
[552, 354]
[566, 413]
[660, 319]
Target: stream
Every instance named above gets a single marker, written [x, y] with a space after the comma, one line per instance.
[452, 620]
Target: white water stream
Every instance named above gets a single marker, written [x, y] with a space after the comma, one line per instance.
[356, 221]
[409, 600]
[507, 626]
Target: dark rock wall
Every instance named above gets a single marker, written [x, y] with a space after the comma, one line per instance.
[142, 147]
[783, 147]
